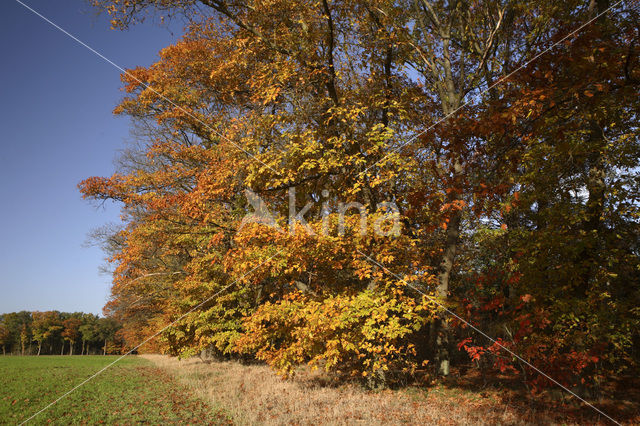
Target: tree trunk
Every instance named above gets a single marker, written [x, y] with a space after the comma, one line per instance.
[71, 342]
[450, 98]
[595, 183]
[440, 327]
[39, 347]
[62, 348]
[104, 349]
[82, 352]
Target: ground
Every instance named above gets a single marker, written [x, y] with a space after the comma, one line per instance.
[131, 391]
[253, 394]
[155, 389]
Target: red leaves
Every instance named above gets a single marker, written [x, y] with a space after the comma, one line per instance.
[494, 304]
[474, 352]
[464, 343]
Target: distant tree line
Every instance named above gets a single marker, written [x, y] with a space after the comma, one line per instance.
[53, 332]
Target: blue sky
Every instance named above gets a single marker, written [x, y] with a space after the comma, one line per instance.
[57, 128]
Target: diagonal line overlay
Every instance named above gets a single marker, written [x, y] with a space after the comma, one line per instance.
[124, 71]
[145, 341]
[496, 83]
[447, 310]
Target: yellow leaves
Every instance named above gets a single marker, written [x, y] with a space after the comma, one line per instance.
[338, 329]
[270, 94]
[267, 93]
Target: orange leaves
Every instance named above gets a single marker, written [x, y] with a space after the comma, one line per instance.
[453, 206]
[270, 96]
[71, 329]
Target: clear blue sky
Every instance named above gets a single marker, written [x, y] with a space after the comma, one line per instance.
[57, 128]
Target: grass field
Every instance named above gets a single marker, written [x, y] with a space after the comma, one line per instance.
[155, 389]
[254, 394]
[131, 391]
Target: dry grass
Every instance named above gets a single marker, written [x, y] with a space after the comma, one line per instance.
[253, 394]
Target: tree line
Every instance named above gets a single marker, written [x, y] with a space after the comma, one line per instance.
[58, 333]
[500, 136]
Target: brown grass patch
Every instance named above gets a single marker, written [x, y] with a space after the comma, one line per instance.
[253, 394]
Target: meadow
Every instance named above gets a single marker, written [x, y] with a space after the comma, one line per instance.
[253, 394]
[157, 389]
[131, 391]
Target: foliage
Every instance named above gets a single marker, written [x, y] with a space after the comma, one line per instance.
[50, 329]
[515, 183]
[361, 335]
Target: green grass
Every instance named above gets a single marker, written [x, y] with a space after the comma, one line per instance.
[131, 391]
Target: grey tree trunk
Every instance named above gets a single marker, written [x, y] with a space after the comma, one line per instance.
[440, 328]
[441, 331]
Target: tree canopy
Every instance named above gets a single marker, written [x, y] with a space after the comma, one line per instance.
[489, 149]
[53, 332]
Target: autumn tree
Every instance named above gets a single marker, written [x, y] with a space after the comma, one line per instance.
[506, 147]
[569, 243]
[45, 325]
[71, 331]
[15, 322]
[24, 338]
[5, 335]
